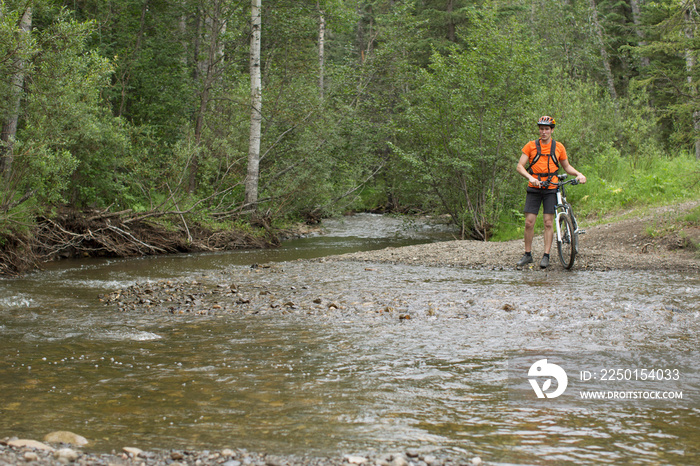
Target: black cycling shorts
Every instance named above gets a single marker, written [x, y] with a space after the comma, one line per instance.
[536, 197]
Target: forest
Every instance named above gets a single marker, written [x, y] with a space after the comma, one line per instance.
[152, 126]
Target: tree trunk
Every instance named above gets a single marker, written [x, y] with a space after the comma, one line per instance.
[321, 47]
[196, 43]
[214, 26]
[251, 183]
[451, 29]
[636, 18]
[182, 29]
[603, 53]
[9, 127]
[126, 71]
[690, 62]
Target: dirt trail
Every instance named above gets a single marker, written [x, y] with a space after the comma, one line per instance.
[658, 239]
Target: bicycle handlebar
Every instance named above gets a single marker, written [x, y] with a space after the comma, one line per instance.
[572, 181]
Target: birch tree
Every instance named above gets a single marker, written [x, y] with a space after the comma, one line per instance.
[321, 47]
[252, 178]
[9, 126]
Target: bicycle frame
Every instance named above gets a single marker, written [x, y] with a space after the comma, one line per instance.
[566, 224]
[562, 208]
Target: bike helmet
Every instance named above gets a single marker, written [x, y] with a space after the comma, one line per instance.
[546, 121]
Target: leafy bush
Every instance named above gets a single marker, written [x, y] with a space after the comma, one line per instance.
[463, 119]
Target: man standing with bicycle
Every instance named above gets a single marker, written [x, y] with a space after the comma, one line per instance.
[539, 163]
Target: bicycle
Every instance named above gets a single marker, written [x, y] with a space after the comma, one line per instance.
[566, 224]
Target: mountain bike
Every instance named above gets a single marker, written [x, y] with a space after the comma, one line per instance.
[566, 224]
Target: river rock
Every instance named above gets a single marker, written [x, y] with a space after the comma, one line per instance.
[355, 459]
[412, 453]
[476, 461]
[66, 455]
[63, 436]
[274, 460]
[26, 443]
[132, 451]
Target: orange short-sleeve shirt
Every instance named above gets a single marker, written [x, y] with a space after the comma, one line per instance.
[545, 163]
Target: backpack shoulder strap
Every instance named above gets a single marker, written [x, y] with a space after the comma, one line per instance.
[553, 153]
[537, 157]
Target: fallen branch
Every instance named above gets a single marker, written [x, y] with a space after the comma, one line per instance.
[136, 240]
[106, 215]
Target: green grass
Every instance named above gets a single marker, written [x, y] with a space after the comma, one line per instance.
[511, 225]
[693, 217]
[614, 185]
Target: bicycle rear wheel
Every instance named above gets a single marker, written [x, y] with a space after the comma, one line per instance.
[567, 247]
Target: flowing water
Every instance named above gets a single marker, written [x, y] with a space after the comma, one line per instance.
[365, 358]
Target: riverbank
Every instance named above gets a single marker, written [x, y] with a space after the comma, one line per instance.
[662, 238]
[15, 451]
[654, 239]
[64, 454]
[69, 234]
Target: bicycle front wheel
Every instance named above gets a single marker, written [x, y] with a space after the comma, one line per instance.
[566, 246]
[570, 212]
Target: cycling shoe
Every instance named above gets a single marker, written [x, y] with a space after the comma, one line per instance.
[526, 259]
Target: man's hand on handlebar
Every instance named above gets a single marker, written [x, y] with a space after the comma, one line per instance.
[538, 183]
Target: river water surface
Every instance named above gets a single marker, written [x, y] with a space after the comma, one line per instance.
[364, 358]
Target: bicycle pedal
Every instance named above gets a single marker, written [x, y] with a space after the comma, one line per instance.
[581, 232]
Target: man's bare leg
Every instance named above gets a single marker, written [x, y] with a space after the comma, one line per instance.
[548, 232]
[530, 220]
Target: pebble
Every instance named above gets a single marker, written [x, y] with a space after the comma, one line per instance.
[15, 452]
[356, 459]
[274, 461]
[66, 455]
[132, 452]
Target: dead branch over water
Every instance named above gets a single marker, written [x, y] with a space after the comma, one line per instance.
[72, 234]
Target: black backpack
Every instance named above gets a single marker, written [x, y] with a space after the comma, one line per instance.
[552, 155]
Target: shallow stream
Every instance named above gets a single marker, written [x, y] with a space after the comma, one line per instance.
[359, 357]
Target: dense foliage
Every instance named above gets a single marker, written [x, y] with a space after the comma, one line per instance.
[144, 105]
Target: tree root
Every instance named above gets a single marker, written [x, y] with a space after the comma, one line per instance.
[72, 234]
